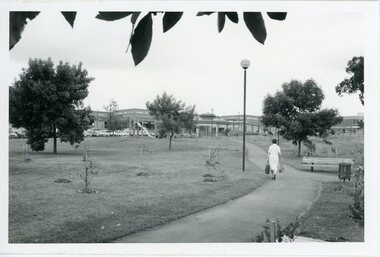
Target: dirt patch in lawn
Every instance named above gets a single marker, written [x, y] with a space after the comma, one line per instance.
[330, 218]
[126, 200]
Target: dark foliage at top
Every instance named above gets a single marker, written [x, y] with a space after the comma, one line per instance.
[142, 34]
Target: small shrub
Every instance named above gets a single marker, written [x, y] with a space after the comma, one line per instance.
[357, 207]
[310, 146]
[142, 148]
[212, 158]
[286, 235]
[326, 141]
[87, 172]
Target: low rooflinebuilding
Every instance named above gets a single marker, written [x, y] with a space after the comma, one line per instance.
[209, 124]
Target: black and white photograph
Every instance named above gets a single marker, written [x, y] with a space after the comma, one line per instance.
[197, 128]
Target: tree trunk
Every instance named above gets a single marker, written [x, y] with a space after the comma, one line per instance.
[170, 141]
[278, 136]
[55, 139]
[86, 180]
[299, 148]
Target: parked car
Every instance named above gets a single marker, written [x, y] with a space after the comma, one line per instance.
[12, 135]
[20, 134]
[87, 133]
[121, 133]
[95, 133]
[104, 133]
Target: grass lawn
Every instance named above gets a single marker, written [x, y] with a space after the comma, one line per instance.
[172, 185]
[329, 217]
[346, 145]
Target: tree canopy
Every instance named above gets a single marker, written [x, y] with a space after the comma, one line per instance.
[355, 83]
[141, 35]
[174, 116]
[48, 102]
[296, 109]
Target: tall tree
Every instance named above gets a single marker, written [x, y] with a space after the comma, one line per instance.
[48, 102]
[173, 115]
[297, 110]
[113, 122]
[355, 83]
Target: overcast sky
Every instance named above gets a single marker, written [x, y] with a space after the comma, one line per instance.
[197, 64]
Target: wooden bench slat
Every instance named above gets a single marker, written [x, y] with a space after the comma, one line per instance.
[325, 159]
[320, 166]
[322, 160]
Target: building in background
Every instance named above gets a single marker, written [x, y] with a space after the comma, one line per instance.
[350, 125]
[209, 124]
[128, 118]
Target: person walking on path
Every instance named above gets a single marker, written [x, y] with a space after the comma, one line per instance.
[274, 157]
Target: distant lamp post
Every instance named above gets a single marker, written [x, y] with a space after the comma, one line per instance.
[212, 122]
[244, 64]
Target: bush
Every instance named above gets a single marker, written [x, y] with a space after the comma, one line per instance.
[326, 141]
[282, 235]
[357, 207]
[310, 146]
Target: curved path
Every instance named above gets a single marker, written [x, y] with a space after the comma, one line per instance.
[240, 220]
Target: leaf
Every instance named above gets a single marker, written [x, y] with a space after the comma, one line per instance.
[142, 38]
[170, 19]
[256, 25]
[233, 16]
[221, 21]
[112, 16]
[70, 17]
[204, 13]
[134, 17]
[277, 15]
[17, 22]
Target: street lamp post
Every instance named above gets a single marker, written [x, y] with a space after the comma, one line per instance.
[244, 64]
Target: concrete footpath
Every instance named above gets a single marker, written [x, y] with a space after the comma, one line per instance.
[240, 220]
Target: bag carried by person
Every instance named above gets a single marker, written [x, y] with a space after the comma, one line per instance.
[267, 168]
[282, 167]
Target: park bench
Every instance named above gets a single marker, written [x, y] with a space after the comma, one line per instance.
[343, 165]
